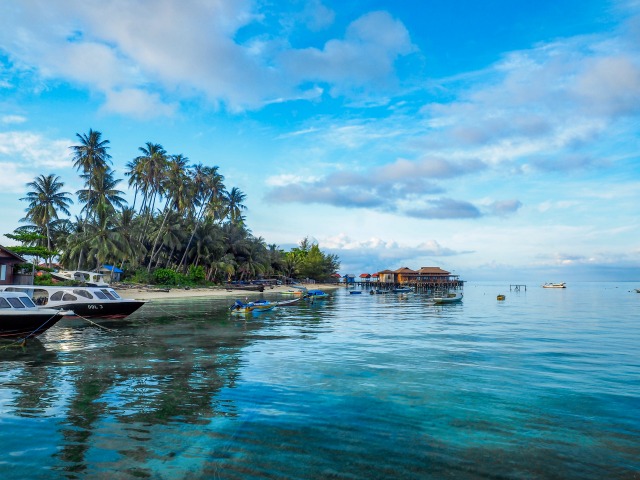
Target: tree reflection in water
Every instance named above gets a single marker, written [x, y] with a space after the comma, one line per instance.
[113, 389]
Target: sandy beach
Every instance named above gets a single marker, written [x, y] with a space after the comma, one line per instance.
[149, 293]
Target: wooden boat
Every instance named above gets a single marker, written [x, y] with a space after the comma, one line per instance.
[84, 301]
[449, 297]
[21, 318]
[501, 297]
[555, 285]
[355, 292]
[249, 288]
[240, 307]
[316, 294]
[402, 290]
[91, 279]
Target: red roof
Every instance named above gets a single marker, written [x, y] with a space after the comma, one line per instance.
[365, 275]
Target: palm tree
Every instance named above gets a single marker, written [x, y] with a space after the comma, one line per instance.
[179, 191]
[102, 196]
[234, 205]
[207, 184]
[90, 156]
[45, 200]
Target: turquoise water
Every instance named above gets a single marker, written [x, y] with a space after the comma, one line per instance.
[545, 384]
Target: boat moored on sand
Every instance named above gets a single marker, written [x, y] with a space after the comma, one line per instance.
[21, 318]
[90, 279]
[84, 301]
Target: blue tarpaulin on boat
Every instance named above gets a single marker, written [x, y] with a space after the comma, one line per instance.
[110, 267]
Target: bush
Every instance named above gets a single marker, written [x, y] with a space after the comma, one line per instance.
[196, 273]
[164, 276]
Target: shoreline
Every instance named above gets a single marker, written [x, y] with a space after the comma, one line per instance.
[143, 293]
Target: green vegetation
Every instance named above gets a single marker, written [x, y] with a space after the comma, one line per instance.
[184, 227]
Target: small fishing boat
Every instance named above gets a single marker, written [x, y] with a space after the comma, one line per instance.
[84, 301]
[449, 297]
[402, 290]
[555, 285]
[355, 292]
[284, 303]
[21, 318]
[240, 307]
[316, 294]
[90, 279]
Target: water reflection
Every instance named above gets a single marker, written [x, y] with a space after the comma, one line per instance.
[350, 387]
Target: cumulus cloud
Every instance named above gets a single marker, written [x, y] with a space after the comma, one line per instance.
[12, 119]
[375, 254]
[192, 50]
[445, 208]
[394, 187]
[503, 208]
[30, 150]
[13, 178]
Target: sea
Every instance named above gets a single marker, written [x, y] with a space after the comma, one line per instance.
[544, 384]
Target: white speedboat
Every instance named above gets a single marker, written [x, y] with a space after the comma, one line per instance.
[555, 285]
[449, 297]
[91, 279]
[21, 318]
[84, 301]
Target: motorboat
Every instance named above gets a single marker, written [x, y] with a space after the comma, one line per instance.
[90, 279]
[555, 285]
[448, 297]
[355, 292]
[84, 301]
[21, 318]
[240, 307]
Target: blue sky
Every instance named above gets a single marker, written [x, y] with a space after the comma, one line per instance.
[496, 139]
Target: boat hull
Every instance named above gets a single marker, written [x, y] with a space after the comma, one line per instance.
[119, 309]
[28, 324]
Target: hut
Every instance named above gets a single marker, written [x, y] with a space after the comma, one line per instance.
[8, 260]
[365, 277]
[111, 273]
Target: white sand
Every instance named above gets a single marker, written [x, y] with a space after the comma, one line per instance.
[150, 293]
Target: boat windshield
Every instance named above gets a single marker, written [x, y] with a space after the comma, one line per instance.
[27, 301]
[99, 294]
[113, 292]
[4, 303]
[15, 302]
[83, 293]
[108, 294]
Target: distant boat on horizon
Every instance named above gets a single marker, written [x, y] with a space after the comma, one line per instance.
[555, 285]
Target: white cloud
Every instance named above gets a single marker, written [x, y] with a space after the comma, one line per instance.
[137, 104]
[12, 119]
[31, 150]
[13, 178]
[188, 50]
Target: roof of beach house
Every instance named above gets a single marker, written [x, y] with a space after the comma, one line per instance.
[432, 271]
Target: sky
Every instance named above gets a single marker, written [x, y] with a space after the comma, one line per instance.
[498, 140]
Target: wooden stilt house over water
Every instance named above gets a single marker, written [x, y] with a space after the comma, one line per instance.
[426, 279]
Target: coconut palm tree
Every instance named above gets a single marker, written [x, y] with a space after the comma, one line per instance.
[102, 196]
[45, 200]
[234, 205]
